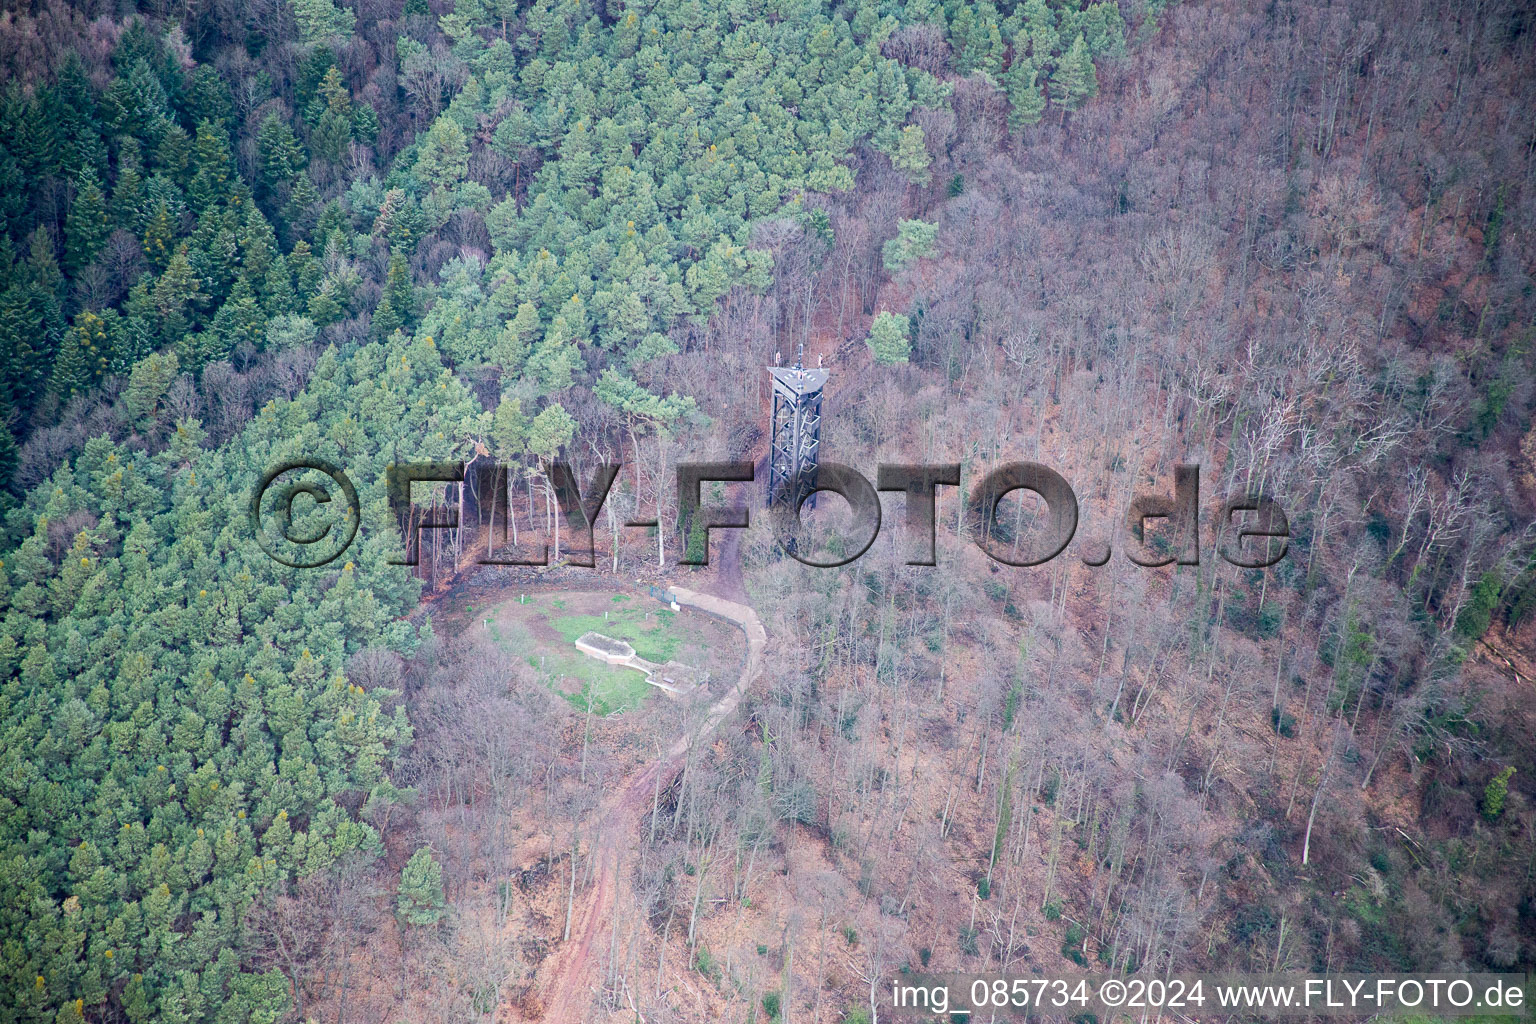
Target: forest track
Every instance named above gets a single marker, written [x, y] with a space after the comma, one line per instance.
[568, 992]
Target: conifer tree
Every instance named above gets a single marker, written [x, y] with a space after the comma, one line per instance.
[397, 307]
[333, 131]
[258, 244]
[208, 97]
[84, 355]
[276, 291]
[911, 156]
[1040, 26]
[87, 226]
[135, 336]
[300, 211]
[420, 899]
[307, 271]
[128, 191]
[365, 124]
[280, 158]
[1026, 103]
[509, 429]
[175, 293]
[27, 354]
[888, 338]
[159, 237]
[319, 20]
[325, 306]
[1074, 81]
[551, 430]
[8, 457]
[173, 151]
[444, 159]
[914, 240]
[42, 270]
[148, 382]
[137, 102]
[71, 367]
[511, 347]
[213, 173]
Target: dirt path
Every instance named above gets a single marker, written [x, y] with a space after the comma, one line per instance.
[570, 986]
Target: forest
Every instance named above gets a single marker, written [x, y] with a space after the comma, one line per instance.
[1291, 242]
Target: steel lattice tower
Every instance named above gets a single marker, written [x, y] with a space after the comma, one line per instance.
[796, 440]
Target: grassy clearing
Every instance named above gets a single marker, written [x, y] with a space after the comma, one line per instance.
[610, 688]
[541, 630]
[656, 638]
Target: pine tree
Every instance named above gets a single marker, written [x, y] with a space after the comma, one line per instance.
[554, 361]
[1040, 25]
[509, 430]
[289, 330]
[444, 159]
[1074, 81]
[42, 270]
[1026, 103]
[420, 900]
[551, 430]
[319, 20]
[213, 173]
[333, 128]
[982, 44]
[208, 98]
[175, 293]
[280, 158]
[148, 382]
[300, 211]
[86, 227]
[1496, 792]
[84, 355]
[888, 339]
[397, 307]
[159, 237]
[511, 348]
[365, 124]
[914, 241]
[128, 190]
[277, 294]
[911, 156]
[173, 153]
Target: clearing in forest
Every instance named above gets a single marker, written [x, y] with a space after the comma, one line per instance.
[542, 629]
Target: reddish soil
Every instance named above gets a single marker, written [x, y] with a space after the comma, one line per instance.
[568, 988]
